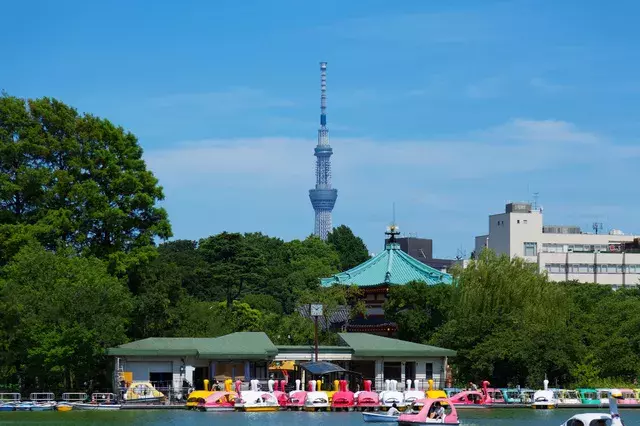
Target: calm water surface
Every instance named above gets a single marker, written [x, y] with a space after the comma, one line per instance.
[500, 417]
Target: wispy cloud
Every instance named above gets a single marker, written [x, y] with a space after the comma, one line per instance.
[516, 146]
[542, 131]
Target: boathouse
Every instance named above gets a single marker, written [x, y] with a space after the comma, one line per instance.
[179, 363]
[376, 276]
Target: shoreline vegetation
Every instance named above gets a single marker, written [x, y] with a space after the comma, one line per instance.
[80, 271]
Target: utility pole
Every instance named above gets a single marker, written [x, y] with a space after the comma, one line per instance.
[316, 311]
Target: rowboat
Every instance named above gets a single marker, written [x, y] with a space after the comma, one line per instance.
[379, 418]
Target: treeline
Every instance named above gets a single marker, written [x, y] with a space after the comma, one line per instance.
[511, 325]
[80, 271]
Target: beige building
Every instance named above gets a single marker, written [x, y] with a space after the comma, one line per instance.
[564, 252]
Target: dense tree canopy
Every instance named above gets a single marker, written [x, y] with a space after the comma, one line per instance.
[59, 313]
[76, 181]
[350, 248]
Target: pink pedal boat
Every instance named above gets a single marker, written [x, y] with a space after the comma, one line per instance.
[425, 416]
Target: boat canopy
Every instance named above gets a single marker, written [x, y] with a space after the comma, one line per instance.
[321, 368]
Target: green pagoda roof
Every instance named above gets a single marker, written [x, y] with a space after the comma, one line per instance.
[392, 266]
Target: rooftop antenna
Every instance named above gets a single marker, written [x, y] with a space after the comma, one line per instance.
[536, 197]
[597, 226]
[393, 230]
[461, 254]
[394, 214]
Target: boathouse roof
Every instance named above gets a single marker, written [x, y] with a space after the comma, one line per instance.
[390, 267]
[242, 345]
[370, 345]
[258, 346]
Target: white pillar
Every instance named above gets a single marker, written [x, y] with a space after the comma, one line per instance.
[421, 374]
[402, 374]
[379, 382]
[177, 375]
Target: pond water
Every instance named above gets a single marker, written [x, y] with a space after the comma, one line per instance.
[496, 417]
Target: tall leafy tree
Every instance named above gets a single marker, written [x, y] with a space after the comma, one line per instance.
[236, 266]
[418, 309]
[77, 181]
[61, 313]
[350, 248]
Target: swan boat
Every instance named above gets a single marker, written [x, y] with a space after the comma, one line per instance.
[343, 399]
[296, 397]
[544, 399]
[598, 419]
[316, 400]
[255, 400]
[391, 396]
[367, 400]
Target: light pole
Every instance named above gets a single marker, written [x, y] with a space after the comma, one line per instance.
[316, 311]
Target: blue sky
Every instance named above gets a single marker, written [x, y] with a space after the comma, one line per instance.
[447, 108]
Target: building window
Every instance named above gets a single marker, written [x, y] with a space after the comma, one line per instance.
[429, 370]
[530, 249]
[392, 371]
[524, 221]
[556, 268]
[518, 220]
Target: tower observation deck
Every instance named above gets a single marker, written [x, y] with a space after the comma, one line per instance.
[323, 197]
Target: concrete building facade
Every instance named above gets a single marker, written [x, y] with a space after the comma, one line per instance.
[565, 252]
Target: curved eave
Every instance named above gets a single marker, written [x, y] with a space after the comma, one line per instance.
[395, 262]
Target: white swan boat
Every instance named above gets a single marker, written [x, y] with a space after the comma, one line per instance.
[316, 400]
[255, 400]
[544, 399]
[391, 396]
[411, 396]
[600, 419]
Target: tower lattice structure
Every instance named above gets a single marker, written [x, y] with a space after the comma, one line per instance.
[323, 197]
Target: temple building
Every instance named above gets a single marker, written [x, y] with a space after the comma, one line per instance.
[376, 276]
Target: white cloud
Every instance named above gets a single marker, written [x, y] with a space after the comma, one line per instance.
[542, 131]
[514, 147]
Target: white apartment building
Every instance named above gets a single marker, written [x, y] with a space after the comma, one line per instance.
[565, 252]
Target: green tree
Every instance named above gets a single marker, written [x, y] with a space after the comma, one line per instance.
[263, 302]
[418, 309]
[236, 266]
[65, 311]
[76, 181]
[508, 322]
[351, 249]
[213, 319]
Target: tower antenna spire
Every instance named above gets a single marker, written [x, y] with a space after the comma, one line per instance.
[323, 197]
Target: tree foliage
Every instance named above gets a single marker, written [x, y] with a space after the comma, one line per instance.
[60, 312]
[350, 248]
[76, 181]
